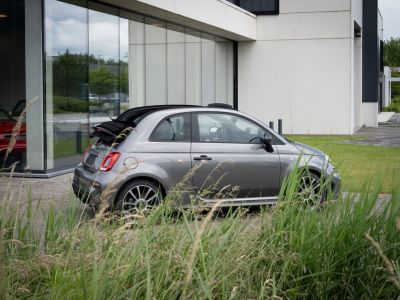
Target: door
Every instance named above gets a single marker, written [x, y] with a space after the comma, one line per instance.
[229, 158]
[168, 150]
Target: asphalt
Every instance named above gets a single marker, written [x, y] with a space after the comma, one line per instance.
[386, 135]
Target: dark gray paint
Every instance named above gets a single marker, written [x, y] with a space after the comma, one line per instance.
[370, 73]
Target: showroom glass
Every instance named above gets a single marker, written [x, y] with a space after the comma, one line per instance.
[228, 128]
[67, 106]
[12, 81]
[104, 53]
[101, 61]
[173, 129]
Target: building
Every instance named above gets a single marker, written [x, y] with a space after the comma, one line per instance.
[316, 64]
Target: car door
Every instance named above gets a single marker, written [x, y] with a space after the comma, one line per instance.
[168, 150]
[229, 158]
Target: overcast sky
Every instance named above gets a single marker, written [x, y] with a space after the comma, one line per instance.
[390, 10]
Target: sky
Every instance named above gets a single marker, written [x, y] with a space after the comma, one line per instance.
[390, 10]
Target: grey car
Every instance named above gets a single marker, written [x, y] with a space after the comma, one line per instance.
[202, 155]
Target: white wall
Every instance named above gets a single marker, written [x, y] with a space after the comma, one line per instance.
[356, 66]
[370, 114]
[299, 69]
[218, 17]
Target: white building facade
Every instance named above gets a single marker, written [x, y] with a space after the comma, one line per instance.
[315, 64]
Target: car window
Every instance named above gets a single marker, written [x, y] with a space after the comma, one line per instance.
[175, 129]
[227, 128]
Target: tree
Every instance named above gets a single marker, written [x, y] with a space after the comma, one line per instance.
[102, 81]
[391, 53]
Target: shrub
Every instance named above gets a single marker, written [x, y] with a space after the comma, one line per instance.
[69, 105]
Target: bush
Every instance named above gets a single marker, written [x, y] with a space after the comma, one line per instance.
[69, 105]
[394, 106]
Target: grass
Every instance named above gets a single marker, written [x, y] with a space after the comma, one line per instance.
[349, 248]
[346, 249]
[358, 164]
[68, 147]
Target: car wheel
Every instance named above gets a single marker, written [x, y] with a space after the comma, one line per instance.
[310, 190]
[138, 198]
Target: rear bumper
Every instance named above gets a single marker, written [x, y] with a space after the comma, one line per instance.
[84, 187]
[90, 186]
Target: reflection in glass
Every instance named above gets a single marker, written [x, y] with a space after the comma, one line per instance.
[104, 52]
[123, 64]
[101, 61]
[66, 82]
[12, 84]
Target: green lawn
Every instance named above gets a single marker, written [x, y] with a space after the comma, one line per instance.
[358, 163]
[67, 147]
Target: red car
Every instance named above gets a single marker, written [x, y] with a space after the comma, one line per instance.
[7, 124]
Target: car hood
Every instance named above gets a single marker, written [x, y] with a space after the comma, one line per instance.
[308, 150]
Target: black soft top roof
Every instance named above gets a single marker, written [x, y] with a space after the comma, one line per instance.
[134, 113]
[109, 131]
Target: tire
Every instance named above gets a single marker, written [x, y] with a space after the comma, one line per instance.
[138, 197]
[310, 190]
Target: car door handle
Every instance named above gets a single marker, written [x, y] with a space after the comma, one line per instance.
[202, 157]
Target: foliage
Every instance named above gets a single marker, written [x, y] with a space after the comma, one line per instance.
[391, 52]
[394, 106]
[124, 80]
[69, 105]
[70, 75]
[344, 250]
[395, 87]
[102, 81]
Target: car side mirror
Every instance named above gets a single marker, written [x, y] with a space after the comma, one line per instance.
[268, 144]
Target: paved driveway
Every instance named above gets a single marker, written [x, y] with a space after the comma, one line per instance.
[54, 192]
[386, 135]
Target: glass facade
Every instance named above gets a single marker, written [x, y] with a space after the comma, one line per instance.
[100, 61]
[13, 146]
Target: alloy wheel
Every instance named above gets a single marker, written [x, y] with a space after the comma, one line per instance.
[310, 190]
[140, 199]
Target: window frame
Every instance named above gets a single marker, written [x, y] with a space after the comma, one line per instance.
[196, 129]
[189, 119]
[261, 12]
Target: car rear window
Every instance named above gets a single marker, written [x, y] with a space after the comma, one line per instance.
[173, 129]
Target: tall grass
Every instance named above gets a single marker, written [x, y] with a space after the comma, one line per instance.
[345, 249]
[349, 248]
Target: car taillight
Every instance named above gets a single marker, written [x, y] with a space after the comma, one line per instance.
[109, 161]
[85, 152]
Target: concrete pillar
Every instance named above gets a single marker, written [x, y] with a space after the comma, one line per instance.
[34, 84]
